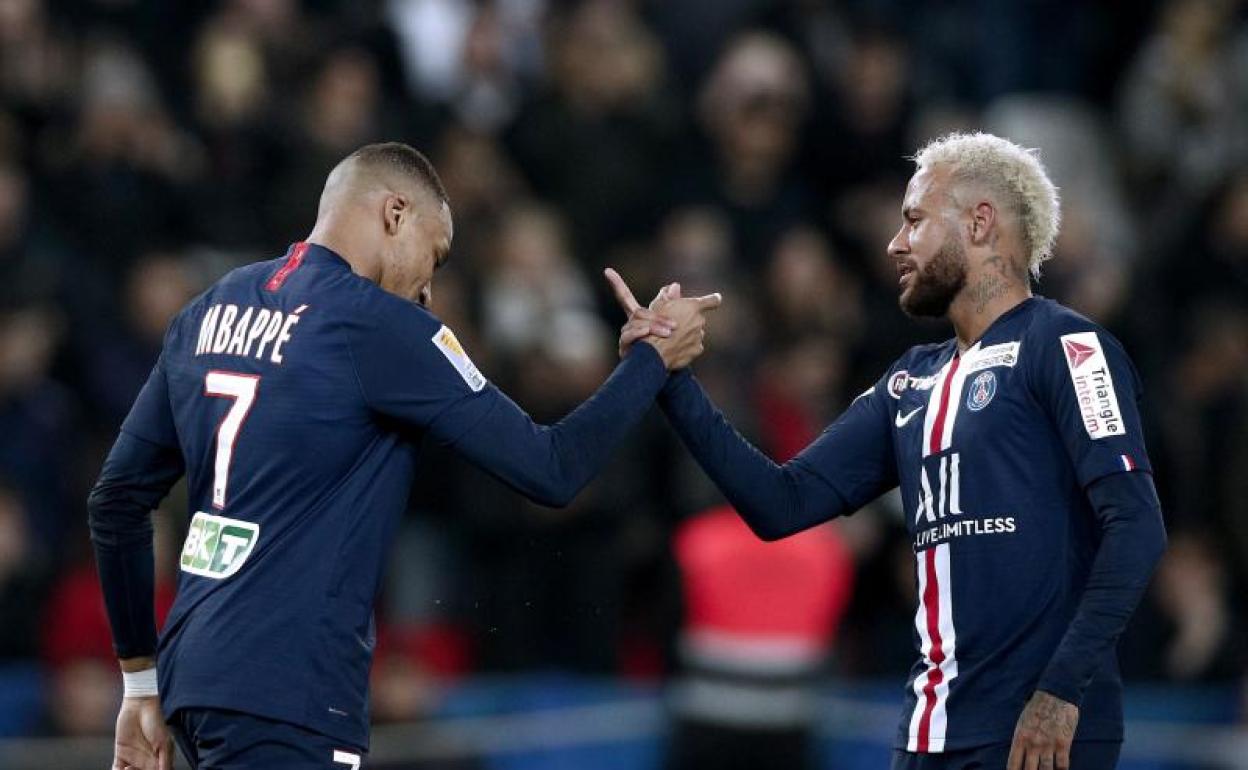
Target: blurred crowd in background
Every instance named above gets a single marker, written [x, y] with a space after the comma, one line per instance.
[749, 147]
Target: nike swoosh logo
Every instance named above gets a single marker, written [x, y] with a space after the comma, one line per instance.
[901, 421]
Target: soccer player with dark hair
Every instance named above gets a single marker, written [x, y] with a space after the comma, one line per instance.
[293, 395]
[1018, 450]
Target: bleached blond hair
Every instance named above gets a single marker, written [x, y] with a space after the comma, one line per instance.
[1012, 174]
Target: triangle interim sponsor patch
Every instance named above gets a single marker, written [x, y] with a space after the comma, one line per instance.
[1095, 395]
[1077, 353]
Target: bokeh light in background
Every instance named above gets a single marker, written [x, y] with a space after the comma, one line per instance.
[749, 147]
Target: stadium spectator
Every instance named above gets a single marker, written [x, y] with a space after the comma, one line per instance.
[760, 620]
[596, 139]
[752, 107]
[39, 419]
[1191, 632]
[1184, 103]
[24, 574]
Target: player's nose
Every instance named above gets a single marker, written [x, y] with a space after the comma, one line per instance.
[899, 246]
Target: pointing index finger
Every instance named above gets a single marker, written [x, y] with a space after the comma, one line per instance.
[623, 294]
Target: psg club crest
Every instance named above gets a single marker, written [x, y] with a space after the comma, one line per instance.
[983, 388]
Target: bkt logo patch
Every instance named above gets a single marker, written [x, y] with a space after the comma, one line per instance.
[982, 389]
[216, 547]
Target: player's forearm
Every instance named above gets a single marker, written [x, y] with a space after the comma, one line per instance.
[135, 664]
[774, 500]
[1132, 541]
[551, 464]
[136, 477]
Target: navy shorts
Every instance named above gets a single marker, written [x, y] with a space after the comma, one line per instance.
[1084, 755]
[215, 739]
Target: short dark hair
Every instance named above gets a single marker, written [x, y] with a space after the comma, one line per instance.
[404, 159]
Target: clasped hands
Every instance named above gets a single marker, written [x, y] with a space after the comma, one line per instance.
[674, 325]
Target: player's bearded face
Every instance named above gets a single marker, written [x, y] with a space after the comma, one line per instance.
[934, 285]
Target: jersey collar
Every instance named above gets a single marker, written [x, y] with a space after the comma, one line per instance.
[319, 254]
[1016, 310]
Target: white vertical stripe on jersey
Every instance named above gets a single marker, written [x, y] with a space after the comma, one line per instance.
[938, 718]
[948, 643]
[933, 406]
[925, 647]
[955, 395]
[955, 488]
[925, 499]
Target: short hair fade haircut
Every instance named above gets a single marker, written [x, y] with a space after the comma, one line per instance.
[402, 159]
[1014, 174]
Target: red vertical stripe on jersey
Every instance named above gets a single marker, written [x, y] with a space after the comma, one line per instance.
[938, 425]
[292, 264]
[931, 601]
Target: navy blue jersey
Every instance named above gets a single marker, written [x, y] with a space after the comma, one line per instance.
[294, 392]
[996, 451]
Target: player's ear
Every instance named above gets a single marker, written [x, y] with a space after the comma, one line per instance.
[983, 220]
[397, 209]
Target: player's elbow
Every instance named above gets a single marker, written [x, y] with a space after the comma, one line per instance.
[764, 527]
[1148, 534]
[112, 517]
[1156, 540]
[553, 498]
[97, 509]
[769, 535]
[552, 492]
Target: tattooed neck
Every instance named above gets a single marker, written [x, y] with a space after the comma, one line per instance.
[987, 289]
[1001, 272]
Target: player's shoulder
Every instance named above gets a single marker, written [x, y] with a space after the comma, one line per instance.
[916, 368]
[1049, 316]
[1058, 336]
[379, 310]
[921, 355]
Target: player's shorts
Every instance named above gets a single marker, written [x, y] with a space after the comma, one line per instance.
[1084, 755]
[216, 739]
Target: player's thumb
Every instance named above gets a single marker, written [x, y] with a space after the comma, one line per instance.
[709, 301]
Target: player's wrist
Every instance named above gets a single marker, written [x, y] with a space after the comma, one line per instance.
[140, 684]
[649, 347]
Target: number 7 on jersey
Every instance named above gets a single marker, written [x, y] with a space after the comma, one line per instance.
[242, 388]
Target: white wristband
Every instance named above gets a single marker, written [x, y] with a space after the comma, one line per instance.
[139, 684]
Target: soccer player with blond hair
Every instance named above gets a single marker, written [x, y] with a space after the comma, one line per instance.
[1018, 449]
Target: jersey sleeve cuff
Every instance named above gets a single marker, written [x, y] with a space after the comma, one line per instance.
[649, 354]
[1060, 687]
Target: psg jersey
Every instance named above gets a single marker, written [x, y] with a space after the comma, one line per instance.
[295, 393]
[993, 449]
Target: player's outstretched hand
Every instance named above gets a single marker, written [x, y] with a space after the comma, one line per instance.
[642, 321]
[1044, 735]
[674, 325]
[142, 741]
